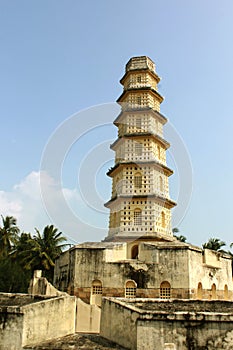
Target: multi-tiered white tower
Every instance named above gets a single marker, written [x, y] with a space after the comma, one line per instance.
[140, 206]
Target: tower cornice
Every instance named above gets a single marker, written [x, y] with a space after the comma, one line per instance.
[136, 90]
[166, 202]
[158, 165]
[139, 70]
[130, 110]
[141, 135]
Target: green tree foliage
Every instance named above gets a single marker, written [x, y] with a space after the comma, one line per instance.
[40, 252]
[13, 278]
[175, 230]
[8, 234]
[214, 244]
[180, 238]
[21, 254]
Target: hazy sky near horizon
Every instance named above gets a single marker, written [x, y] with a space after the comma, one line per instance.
[61, 57]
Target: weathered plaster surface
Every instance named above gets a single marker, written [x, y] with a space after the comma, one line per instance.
[168, 325]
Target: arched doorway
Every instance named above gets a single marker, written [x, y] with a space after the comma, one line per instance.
[134, 252]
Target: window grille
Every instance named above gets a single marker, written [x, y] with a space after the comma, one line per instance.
[138, 181]
[138, 123]
[97, 287]
[163, 219]
[165, 293]
[137, 217]
[130, 292]
[97, 290]
[130, 289]
[165, 290]
[138, 149]
[139, 100]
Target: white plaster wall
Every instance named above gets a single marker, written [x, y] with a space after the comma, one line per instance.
[118, 324]
[216, 272]
[88, 317]
[118, 252]
[11, 329]
[48, 319]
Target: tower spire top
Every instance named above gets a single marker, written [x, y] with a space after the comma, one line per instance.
[140, 62]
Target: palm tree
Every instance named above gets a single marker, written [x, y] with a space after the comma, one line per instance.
[8, 234]
[23, 250]
[175, 230]
[50, 244]
[40, 252]
[180, 238]
[214, 244]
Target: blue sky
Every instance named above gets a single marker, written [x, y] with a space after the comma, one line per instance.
[60, 57]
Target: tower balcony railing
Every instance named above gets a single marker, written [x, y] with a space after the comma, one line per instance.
[136, 85]
[143, 229]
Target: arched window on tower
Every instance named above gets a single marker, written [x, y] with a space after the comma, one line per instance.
[138, 180]
[96, 292]
[138, 148]
[130, 289]
[138, 123]
[165, 290]
[158, 152]
[137, 217]
[163, 221]
[139, 100]
[139, 79]
[134, 252]
[161, 184]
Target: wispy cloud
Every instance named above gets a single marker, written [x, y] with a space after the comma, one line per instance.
[62, 207]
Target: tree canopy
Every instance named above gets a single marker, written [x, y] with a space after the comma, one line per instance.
[22, 253]
[214, 244]
[180, 238]
[8, 234]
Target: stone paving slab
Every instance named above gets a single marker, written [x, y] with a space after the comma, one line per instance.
[77, 341]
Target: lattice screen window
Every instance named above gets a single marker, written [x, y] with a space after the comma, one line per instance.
[130, 289]
[165, 290]
[97, 288]
[161, 184]
[138, 180]
[138, 123]
[139, 100]
[137, 217]
[138, 149]
[163, 220]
